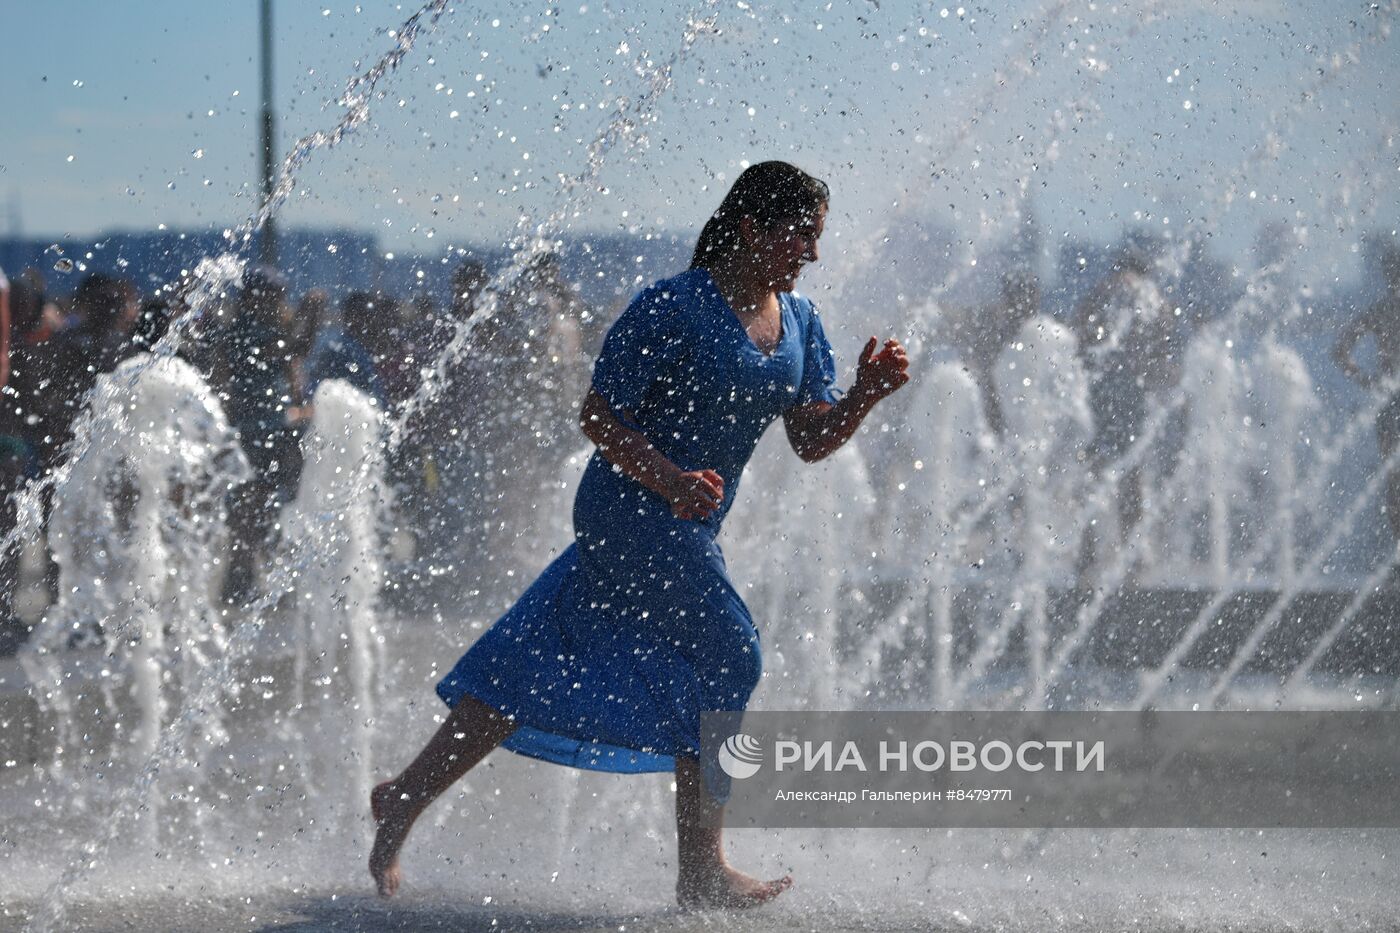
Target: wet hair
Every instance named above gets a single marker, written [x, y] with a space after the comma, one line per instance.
[152, 323]
[770, 193]
[99, 299]
[369, 316]
[357, 313]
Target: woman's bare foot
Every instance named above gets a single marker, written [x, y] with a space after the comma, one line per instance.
[724, 888]
[468, 735]
[393, 818]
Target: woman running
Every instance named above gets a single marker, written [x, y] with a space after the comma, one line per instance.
[610, 657]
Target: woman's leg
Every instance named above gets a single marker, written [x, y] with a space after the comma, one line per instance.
[705, 878]
[471, 731]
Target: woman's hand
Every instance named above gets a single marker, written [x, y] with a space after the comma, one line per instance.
[817, 430]
[880, 374]
[695, 494]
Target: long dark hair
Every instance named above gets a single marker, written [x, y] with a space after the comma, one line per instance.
[770, 193]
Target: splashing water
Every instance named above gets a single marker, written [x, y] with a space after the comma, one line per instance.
[214, 277]
[992, 511]
[140, 526]
[952, 452]
[333, 531]
[359, 93]
[1048, 426]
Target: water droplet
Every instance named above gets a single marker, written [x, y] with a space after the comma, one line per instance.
[198, 153]
[64, 265]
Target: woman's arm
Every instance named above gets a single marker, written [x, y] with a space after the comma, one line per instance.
[692, 494]
[818, 430]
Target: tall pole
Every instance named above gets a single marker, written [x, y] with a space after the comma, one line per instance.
[267, 251]
[16, 225]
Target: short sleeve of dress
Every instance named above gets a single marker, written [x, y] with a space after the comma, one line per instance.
[818, 364]
[637, 351]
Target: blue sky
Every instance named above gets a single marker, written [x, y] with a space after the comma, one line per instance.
[1106, 114]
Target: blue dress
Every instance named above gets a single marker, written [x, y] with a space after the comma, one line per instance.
[611, 655]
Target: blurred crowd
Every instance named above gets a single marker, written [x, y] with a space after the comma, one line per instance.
[1128, 338]
[520, 368]
[1140, 334]
[486, 448]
